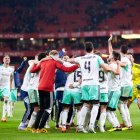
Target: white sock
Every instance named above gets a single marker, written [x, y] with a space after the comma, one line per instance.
[47, 125]
[110, 119]
[60, 119]
[32, 120]
[94, 113]
[102, 118]
[12, 108]
[9, 108]
[26, 123]
[84, 111]
[78, 117]
[128, 115]
[21, 124]
[87, 119]
[4, 109]
[123, 113]
[115, 118]
[64, 117]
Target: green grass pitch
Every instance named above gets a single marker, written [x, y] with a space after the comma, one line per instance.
[9, 131]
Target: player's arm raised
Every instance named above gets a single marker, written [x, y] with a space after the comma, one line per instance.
[110, 48]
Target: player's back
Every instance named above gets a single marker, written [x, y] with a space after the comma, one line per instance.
[126, 72]
[90, 64]
[72, 77]
[103, 80]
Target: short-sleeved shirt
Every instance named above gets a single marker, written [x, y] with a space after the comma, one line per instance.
[72, 78]
[113, 79]
[103, 79]
[126, 72]
[5, 74]
[136, 73]
[89, 65]
[25, 84]
[34, 81]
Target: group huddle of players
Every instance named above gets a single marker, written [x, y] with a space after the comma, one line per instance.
[94, 85]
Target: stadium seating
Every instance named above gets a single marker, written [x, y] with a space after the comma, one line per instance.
[19, 16]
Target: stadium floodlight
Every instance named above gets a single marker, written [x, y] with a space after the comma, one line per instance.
[130, 36]
[50, 39]
[73, 38]
[31, 39]
[21, 39]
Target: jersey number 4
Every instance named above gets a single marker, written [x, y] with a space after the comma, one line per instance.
[87, 66]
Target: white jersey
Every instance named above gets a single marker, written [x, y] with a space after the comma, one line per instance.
[90, 65]
[126, 72]
[26, 80]
[103, 80]
[113, 79]
[5, 74]
[34, 81]
[72, 78]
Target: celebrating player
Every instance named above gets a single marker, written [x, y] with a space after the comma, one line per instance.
[6, 77]
[89, 65]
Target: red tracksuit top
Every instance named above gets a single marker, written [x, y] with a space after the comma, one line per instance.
[47, 73]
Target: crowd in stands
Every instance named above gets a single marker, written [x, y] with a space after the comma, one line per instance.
[99, 42]
[31, 16]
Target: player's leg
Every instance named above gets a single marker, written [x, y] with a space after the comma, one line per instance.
[59, 106]
[111, 107]
[94, 97]
[5, 104]
[47, 105]
[25, 98]
[64, 118]
[34, 103]
[124, 111]
[132, 96]
[40, 112]
[71, 124]
[87, 119]
[76, 96]
[85, 108]
[128, 115]
[103, 103]
[11, 103]
[67, 100]
[98, 117]
[110, 119]
[5, 93]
